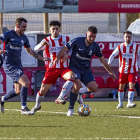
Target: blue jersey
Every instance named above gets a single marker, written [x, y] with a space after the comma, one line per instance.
[82, 54]
[13, 44]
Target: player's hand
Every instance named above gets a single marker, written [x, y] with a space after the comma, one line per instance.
[65, 57]
[46, 59]
[55, 62]
[113, 76]
[138, 70]
[109, 65]
[2, 51]
[45, 43]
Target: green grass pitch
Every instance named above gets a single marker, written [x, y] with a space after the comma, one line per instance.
[51, 122]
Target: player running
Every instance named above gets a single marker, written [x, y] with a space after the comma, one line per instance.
[83, 49]
[128, 53]
[51, 46]
[13, 41]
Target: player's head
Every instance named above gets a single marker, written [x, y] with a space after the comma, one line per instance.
[91, 34]
[55, 28]
[20, 25]
[127, 37]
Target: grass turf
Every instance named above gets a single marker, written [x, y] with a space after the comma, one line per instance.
[51, 122]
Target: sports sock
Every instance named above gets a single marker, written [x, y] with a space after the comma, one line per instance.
[10, 94]
[130, 95]
[83, 90]
[66, 88]
[120, 96]
[73, 98]
[39, 98]
[23, 95]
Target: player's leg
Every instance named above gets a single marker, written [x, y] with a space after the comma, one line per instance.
[50, 78]
[73, 96]
[123, 79]
[132, 78]
[120, 95]
[69, 76]
[10, 94]
[24, 81]
[40, 96]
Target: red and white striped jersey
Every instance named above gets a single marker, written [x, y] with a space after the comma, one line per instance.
[51, 51]
[128, 57]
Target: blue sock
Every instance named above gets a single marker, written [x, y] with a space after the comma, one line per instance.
[23, 95]
[10, 94]
[73, 98]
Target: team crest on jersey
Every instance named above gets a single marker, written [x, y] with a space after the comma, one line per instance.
[132, 50]
[22, 41]
[90, 53]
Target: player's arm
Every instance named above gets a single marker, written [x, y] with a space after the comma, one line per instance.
[1, 51]
[60, 54]
[138, 54]
[36, 55]
[114, 54]
[41, 45]
[107, 67]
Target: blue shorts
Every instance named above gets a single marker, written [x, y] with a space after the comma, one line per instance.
[85, 77]
[14, 71]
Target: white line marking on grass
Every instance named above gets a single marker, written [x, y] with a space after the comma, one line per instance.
[131, 117]
[97, 138]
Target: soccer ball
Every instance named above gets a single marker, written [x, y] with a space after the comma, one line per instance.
[84, 110]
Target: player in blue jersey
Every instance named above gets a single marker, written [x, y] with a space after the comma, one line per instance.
[83, 49]
[14, 41]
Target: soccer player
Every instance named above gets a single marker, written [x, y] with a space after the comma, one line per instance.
[14, 40]
[83, 49]
[51, 46]
[128, 53]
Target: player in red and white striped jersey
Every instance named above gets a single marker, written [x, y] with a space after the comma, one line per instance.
[51, 46]
[129, 53]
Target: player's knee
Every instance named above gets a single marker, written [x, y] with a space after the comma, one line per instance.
[71, 76]
[17, 91]
[26, 83]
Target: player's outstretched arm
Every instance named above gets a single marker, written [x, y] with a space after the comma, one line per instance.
[60, 54]
[2, 51]
[107, 67]
[36, 55]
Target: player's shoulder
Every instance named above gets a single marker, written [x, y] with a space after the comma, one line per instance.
[95, 44]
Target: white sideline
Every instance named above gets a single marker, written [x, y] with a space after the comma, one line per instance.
[134, 117]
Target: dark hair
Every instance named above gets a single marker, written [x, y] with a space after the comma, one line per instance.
[53, 22]
[128, 32]
[92, 29]
[19, 20]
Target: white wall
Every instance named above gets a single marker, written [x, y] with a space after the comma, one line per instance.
[13, 4]
[0, 4]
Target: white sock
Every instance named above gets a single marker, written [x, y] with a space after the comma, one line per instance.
[38, 100]
[130, 95]
[2, 99]
[22, 107]
[66, 88]
[120, 96]
[83, 90]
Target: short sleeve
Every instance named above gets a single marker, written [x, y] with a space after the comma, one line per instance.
[98, 51]
[71, 44]
[5, 36]
[26, 44]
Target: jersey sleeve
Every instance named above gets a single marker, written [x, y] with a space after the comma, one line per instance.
[71, 44]
[138, 53]
[5, 36]
[98, 51]
[39, 46]
[26, 44]
[114, 53]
